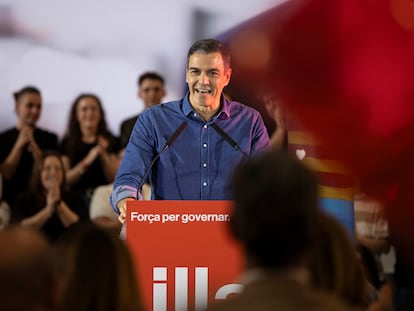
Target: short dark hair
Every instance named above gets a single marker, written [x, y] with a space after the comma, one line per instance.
[25, 90]
[276, 205]
[151, 75]
[210, 46]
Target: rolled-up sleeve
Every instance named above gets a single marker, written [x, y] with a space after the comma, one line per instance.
[122, 192]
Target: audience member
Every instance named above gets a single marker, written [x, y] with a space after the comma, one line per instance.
[151, 91]
[95, 272]
[335, 266]
[198, 164]
[101, 211]
[371, 228]
[274, 218]
[26, 271]
[279, 137]
[89, 148]
[48, 206]
[22, 145]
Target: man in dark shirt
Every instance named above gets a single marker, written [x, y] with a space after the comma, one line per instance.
[151, 90]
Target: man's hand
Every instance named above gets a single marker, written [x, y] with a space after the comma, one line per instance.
[122, 209]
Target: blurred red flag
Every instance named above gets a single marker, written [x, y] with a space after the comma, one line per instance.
[345, 68]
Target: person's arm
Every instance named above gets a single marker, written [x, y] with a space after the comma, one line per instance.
[35, 149]
[277, 140]
[108, 160]
[74, 173]
[109, 164]
[10, 164]
[66, 215]
[38, 220]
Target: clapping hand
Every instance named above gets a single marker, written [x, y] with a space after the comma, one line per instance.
[53, 195]
[25, 136]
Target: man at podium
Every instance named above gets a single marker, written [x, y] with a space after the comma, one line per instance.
[188, 148]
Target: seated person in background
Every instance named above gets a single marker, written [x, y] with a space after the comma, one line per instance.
[101, 211]
[274, 218]
[26, 271]
[371, 228]
[89, 148]
[335, 266]
[21, 146]
[151, 91]
[48, 207]
[95, 271]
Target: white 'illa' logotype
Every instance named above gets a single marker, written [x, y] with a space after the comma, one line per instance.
[181, 289]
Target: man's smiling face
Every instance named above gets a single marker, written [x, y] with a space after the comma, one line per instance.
[206, 77]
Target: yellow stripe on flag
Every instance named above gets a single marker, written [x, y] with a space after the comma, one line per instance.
[325, 166]
[302, 138]
[336, 193]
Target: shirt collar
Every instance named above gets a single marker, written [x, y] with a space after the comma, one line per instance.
[224, 112]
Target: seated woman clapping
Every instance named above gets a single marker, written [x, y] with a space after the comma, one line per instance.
[48, 206]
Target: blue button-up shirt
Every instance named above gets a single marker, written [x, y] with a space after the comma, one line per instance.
[199, 163]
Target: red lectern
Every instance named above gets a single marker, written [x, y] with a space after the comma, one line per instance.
[185, 256]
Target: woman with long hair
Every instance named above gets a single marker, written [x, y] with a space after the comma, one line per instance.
[89, 147]
[95, 271]
[48, 206]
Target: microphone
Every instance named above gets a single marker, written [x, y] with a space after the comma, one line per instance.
[167, 145]
[227, 138]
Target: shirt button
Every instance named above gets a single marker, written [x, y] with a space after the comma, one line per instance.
[204, 184]
[194, 114]
[205, 145]
[205, 126]
[204, 164]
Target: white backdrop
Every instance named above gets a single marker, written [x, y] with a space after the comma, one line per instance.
[67, 47]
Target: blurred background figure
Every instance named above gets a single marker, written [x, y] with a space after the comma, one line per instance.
[275, 218]
[371, 229]
[4, 208]
[26, 271]
[151, 90]
[276, 111]
[21, 146]
[89, 147]
[335, 266]
[48, 206]
[95, 272]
